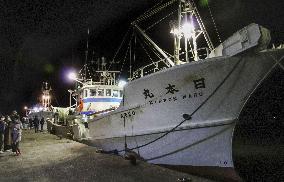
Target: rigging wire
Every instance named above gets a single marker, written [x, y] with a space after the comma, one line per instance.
[145, 51]
[124, 59]
[153, 50]
[154, 11]
[202, 26]
[213, 20]
[148, 11]
[121, 44]
[159, 21]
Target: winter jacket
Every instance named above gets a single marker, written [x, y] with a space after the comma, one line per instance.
[36, 122]
[16, 135]
[17, 132]
[42, 121]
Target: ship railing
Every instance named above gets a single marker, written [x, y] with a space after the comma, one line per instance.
[160, 64]
[106, 82]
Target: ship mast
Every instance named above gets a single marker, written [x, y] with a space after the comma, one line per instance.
[46, 97]
[178, 37]
[86, 57]
[186, 28]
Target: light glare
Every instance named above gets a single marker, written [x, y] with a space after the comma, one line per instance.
[187, 29]
[72, 76]
[122, 83]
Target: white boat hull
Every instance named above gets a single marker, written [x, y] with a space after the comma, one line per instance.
[181, 147]
[203, 140]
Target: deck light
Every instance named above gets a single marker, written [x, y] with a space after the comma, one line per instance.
[122, 83]
[72, 76]
[174, 31]
[35, 109]
[188, 29]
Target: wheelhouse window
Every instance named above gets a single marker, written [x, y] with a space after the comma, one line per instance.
[115, 93]
[100, 92]
[93, 92]
[108, 92]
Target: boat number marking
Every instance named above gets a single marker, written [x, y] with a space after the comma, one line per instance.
[127, 114]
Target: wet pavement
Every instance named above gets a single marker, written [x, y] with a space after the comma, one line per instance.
[46, 157]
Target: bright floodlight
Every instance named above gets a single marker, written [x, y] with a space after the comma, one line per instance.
[187, 29]
[25, 107]
[174, 31]
[122, 83]
[35, 109]
[72, 76]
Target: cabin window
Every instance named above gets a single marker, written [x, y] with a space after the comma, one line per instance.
[108, 92]
[100, 92]
[120, 93]
[86, 93]
[115, 93]
[93, 92]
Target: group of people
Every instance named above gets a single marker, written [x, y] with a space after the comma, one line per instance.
[10, 133]
[11, 130]
[35, 122]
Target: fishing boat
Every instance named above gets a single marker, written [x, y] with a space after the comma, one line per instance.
[100, 96]
[187, 109]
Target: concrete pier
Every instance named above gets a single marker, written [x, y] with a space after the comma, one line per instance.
[46, 157]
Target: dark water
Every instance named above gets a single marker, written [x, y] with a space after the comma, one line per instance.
[258, 142]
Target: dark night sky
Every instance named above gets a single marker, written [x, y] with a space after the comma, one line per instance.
[39, 39]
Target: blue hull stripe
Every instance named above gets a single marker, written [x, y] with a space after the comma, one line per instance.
[101, 100]
[87, 112]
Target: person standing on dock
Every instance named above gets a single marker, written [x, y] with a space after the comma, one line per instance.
[56, 116]
[31, 123]
[2, 132]
[8, 134]
[41, 123]
[14, 116]
[36, 123]
[17, 135]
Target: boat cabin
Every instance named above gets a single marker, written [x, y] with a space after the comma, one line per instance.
[99, 97]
